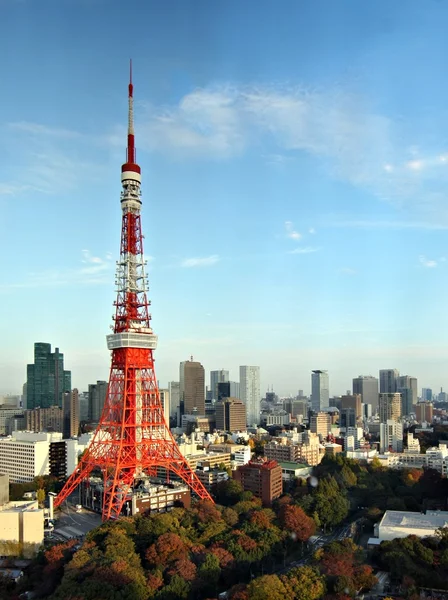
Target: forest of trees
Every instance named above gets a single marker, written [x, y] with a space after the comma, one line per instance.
[237, 545]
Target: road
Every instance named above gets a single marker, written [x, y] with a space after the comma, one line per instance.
[71, 524]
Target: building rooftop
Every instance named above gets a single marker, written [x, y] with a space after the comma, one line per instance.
[293, 465]
[415, 520]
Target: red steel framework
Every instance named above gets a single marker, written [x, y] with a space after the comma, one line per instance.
[132, 438]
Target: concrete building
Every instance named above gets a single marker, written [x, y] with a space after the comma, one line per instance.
[8, 413]
[210, 477]
[320, 424]
[261, 477]
[389, 406]
[367, 386]
[46, 378]
[25, 455]
[293, 470]
[353, 401]
[400, 524]
[435, 458]
[250, 393]
[424, 412]
[347, 418]
[296, 407]
[228, 389]
[74, 448]
[22, 528]
[70, 411]
[192, 388]
[230, 415]
[221, 376]
[426, 395]
[97, 397]
[44, 419]
[407, 386]
[174, 390]
[320, 393]
[150, 496]
[306, 449]
[4, 489]
[242, 455]
[391, 436]
[280, 417]
[388, 381]
[165, 400]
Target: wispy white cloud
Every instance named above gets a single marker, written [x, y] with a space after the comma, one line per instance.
[429, 263]
[43, 130]
[7, 189]
[206, 261]
[355, 143]
[347, 271]
[304, 250]
[291, 232]
[94, 270]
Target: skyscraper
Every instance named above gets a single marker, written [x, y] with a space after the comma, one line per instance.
[320, 393]
[216, 377]
[388, 380]
[426, 394]
[230, 415]
[192, 388]
[174, 390]
[97, 396]
[70, 414]
[407, 386]
[250, 393]
[389, 407]
[367, 386]
[46, 379]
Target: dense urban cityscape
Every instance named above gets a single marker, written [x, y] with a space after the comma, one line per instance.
[205, 486]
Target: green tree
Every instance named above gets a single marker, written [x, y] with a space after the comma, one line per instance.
[267, 587]
[304, 583]
[40, 496]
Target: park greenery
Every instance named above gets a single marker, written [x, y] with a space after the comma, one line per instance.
[239, 546]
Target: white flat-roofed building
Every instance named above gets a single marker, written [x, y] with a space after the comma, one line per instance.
[25, 455]
[242, 456]
[21, 528]
[75, 447]
[400, 524]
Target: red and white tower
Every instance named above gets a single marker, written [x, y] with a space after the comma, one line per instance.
[132, 439]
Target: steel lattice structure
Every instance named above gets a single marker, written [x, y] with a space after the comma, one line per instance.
[132, 438]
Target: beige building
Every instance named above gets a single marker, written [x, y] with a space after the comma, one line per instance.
[71, 414]
[21, 528]
[424, 412]
[230, 415]
[192, 387]
[389, 406]
[44, 419]
[308, 450]
[353, 401]
[320, 424]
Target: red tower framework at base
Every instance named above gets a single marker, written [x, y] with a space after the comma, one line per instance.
[132, 439]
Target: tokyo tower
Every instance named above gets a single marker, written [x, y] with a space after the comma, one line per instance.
[132, 438]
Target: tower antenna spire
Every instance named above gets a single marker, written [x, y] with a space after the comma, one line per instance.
[130, 155]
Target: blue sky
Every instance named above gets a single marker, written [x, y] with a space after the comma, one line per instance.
[295, 171]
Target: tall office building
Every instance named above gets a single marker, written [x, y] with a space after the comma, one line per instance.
[388, 381]
[70, 414]
[216, 377]
[174, 390]
[353, 401]
[192, 388]
[165, 400]
[426, 395]
[367, 386]
[228, 389]
[46, 378]
[230, 415]
[97, 396]
[391, 436]
[250, 393]
[407, 386]
[389, 407]
[320, 393]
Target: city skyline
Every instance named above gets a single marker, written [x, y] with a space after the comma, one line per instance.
[327, 241]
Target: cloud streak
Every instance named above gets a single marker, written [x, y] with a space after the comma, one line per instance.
[429, 263]
[304, 250]
[206, 261]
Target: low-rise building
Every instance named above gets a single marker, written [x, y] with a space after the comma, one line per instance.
[292, 470]
[21, 528]
[263, 478]
[210, 477]
[400, 524]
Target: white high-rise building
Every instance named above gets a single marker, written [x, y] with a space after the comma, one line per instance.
[391, 436]
[174, 390]
[320, 392]
[250, 393]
